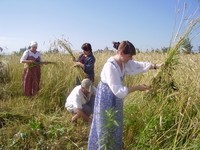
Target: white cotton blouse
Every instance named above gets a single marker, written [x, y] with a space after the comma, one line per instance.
[112, 75]
[76, 98]
[29, 53]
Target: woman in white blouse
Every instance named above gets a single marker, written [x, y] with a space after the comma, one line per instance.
[110, 94]
[32, 71]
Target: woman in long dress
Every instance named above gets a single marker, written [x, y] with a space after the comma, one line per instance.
[32, 71]
[107, 124]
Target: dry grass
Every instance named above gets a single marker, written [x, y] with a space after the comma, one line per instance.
[48, 110]
[164, 118]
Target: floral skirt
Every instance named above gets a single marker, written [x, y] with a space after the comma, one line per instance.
[107, 124]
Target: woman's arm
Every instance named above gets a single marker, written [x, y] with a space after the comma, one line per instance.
[89, 64]
[83, 115]
[142, 87]
[27, 61]
[156, 66]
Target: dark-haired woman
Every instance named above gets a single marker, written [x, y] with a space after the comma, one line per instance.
[110, 94]
[86, 61]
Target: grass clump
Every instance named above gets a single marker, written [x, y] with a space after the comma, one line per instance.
[171, 108]
[64, 45]
[168, 117]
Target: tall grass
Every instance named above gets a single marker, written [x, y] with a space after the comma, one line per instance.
[171, 116]
[168, 117]
[64, 45]
[43, 122]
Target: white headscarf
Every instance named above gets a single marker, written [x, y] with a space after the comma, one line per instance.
[33, 44]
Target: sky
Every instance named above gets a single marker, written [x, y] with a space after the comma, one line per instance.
[148, 24]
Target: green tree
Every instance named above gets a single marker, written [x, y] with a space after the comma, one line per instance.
[187, 47]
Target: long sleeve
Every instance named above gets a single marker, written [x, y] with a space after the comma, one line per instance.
[89, 64]
[112, 75]
[136, 67]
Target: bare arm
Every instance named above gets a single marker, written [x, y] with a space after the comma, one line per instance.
[83, 115]
[28, 61]
[78, 64]
[142, 87]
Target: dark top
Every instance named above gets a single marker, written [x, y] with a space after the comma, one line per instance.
[88, 62]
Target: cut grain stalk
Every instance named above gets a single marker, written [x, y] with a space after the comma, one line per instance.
[65, 45]
[33, 64]
[164, 84]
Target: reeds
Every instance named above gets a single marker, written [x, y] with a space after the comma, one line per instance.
[4, 77]
[170, 120]
[64, 45]
[164, 83]
[171, 109]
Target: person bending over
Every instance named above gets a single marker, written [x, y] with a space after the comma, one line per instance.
[80, 101]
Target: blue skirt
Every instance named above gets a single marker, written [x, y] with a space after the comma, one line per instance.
[107, 124]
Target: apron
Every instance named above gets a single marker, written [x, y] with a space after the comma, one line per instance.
[31, 78]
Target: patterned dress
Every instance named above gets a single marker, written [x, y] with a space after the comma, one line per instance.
[107, 125]
[31, 75]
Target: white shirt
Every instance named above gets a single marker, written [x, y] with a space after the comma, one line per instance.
[113, 76]
[29, 53]
[76, 98]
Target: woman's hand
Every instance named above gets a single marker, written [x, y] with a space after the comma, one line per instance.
[76, 64]
[159, 65]
[141, 87]
[156, 66]
[31, 61]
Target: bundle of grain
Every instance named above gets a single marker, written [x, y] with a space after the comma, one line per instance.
[63, 44]
[164, 84]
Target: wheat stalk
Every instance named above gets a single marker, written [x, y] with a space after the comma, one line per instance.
[164, 83]
[65, 45]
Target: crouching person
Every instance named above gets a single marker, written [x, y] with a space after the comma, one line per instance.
[80, 101]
